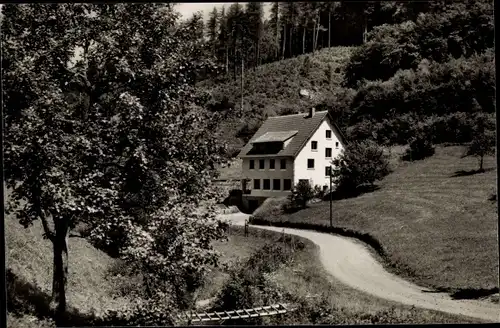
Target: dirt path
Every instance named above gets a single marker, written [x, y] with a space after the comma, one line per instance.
[351, 263]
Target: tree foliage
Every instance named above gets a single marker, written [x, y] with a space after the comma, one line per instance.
[457, 29]
[360, 163]
[114, 137]
[433, 91]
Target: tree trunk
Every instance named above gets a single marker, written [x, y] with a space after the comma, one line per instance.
[314, 34]
[258, 53]
[481, 164]
[304, 41]
[317, 33]
[290, 42]
[329, 28]
[242, 71]
[60, 271]
[227, 60]
[284, 43]
[277, 39]
[235, 65]
[365, 30]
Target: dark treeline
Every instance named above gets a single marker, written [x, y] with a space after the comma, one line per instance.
[241, 33]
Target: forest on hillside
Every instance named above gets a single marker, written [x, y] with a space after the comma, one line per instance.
[407, 61]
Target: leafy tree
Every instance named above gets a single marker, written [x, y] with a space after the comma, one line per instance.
[483, 140]
[114, 137]
[360, 163]
[301, 194]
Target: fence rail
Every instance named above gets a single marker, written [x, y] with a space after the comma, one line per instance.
[237, 314]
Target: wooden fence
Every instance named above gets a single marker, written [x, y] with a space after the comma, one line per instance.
[263, 311]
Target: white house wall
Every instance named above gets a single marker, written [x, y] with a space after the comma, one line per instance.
[317, 175]
[267, 173]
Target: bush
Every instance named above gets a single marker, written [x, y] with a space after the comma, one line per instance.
[318, 192]
[361, 163]
[249, 284]
[301, 194]
[420, 145]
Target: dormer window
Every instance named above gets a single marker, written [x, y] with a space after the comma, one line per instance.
[271, 142]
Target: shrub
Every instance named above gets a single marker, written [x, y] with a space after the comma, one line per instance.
[360, 163]
[301, 194]
[318, 192]
[249, 284]
[420, 148]
[420, 145]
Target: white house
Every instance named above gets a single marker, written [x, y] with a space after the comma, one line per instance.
[287, 149]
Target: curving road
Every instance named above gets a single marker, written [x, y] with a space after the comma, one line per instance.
[351, 263]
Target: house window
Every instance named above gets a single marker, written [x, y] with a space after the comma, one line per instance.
[267, 184]
[310, 163]
[261, 164]
[287, 184]
[328, 170]
[328, 134]
[252, 164]
[256, 183]
[337, 144]
[314, 145]
[328, 152]
[283, 164]
[271, 164]
[276, 184]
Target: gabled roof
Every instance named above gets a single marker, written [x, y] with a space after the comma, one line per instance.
[275, 136]
[304, 124]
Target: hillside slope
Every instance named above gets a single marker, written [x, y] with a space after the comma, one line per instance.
[273, 89]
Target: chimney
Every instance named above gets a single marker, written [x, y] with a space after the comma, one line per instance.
[312, 111]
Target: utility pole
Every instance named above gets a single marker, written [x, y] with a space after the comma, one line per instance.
[331, 192]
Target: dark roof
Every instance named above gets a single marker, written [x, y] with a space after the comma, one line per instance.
[275, 136]
[302, 123]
